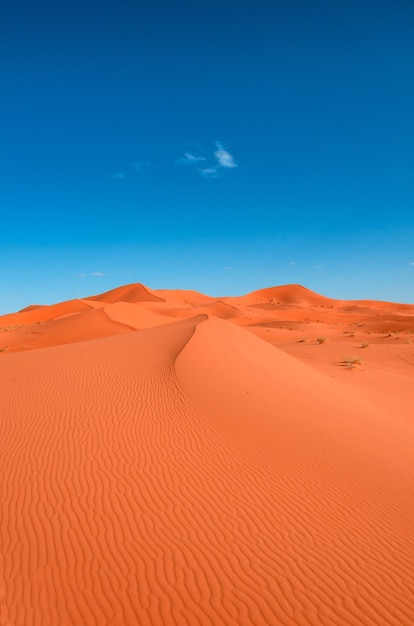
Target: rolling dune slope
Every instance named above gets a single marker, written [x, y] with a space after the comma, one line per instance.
[37, 314]
[163, 472]
[91, 324]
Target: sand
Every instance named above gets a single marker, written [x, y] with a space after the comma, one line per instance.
[168, 458]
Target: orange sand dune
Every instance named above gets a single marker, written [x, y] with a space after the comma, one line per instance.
[218, 308]
[387, 306]
[286, 294]
[91, 324]
[102, 320]
[43, 313]
[164, 472]
[128, 293]
[31, 307]
[137, 316]
[183, 298]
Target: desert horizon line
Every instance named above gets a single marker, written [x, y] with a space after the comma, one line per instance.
[281, 286]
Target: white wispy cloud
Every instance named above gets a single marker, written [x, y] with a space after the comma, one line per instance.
[97, 274]
[209, 172]
[118, 175]
[189, 159]
[215, 163]
[412, 263]
[81, 275]
[223, 157]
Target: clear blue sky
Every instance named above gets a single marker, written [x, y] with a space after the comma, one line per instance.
[222, 146]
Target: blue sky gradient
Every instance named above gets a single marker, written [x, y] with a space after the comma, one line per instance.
[222, 146]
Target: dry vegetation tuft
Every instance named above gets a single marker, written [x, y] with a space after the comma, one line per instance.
[352, 361]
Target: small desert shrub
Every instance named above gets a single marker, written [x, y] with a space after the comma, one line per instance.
[352, 361]
[364, 344]
[322, 339]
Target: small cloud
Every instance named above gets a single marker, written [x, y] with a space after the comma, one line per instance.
[209, 172]
[81, 275]
[293, 263]
[118, 175]
[189, 159]
[138, 166]
[228, 267]
[412, 263]
[221, 159]
[97, 274]
[316, 267]
[224, 158]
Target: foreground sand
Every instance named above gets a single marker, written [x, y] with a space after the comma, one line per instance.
[161, 464]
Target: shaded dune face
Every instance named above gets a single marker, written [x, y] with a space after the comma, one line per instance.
[155, 471]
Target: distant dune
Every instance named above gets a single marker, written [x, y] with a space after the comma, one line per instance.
[169, 458]
[286, 294]
[128, 293]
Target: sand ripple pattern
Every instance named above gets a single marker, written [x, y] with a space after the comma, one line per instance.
[125, 503]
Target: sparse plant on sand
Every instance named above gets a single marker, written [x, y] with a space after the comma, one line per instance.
[364, 344]
[352, 361]
[322, 339]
